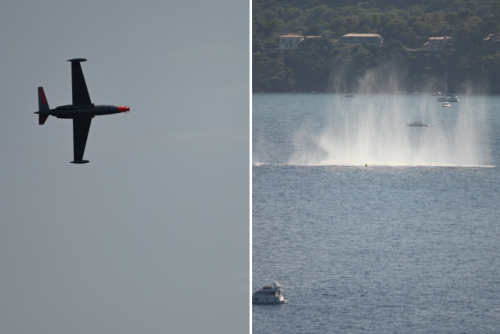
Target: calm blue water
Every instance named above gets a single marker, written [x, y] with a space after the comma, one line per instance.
[408, 244]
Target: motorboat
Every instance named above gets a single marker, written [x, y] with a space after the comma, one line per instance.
[418, 124]
[269, 294]
[448, 98]
[446, 104]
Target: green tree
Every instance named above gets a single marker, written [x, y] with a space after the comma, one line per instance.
[270, 73]
[312, 31]
[311, 64]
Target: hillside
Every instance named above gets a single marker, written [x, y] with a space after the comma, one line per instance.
[471, 60]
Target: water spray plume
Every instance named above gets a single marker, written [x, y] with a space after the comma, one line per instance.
[370, 129]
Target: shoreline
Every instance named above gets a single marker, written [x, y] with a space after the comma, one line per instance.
[368, 93]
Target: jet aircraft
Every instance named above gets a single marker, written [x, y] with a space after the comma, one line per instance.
[81, 111]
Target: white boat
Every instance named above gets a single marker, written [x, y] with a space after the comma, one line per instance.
[269, 294]
[418, 124]
[446, 104]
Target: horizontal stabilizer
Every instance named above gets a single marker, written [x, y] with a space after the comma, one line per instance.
[79, 162]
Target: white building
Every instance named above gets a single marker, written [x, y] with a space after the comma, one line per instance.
[436, 43]
[374, 39]
[289, 42]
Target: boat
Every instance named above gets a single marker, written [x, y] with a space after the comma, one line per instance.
[269, 294]
[418, 124]
[446, 104]
[348, 95]
[448, 98]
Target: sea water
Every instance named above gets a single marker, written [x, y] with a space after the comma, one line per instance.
[374, 226]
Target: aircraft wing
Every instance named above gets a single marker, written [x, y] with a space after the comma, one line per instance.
[81, 126]
[80, 92]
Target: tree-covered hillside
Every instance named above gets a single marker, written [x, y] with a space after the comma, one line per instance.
[324, 64]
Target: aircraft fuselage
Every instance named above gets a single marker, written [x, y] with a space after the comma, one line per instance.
[72, 111]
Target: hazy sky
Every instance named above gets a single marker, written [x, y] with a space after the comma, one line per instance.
[152, 236]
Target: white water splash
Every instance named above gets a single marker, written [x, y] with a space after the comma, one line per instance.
[370, 129]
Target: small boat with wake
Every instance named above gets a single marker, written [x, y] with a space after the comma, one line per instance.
[446, 104]
[418, 124]
[269, 294]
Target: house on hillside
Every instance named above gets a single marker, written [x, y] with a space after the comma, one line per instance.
[373, 39]
[434, 46]
[292, 41]
[436, 43]
[289, 42]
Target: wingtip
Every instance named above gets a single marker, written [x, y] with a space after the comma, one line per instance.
[77, 60]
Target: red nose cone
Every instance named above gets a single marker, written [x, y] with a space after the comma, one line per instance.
[123, 109]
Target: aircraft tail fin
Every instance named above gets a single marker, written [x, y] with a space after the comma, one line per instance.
[42, 119]
[43, 105]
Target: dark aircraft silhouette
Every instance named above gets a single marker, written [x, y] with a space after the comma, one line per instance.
[81, 111]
